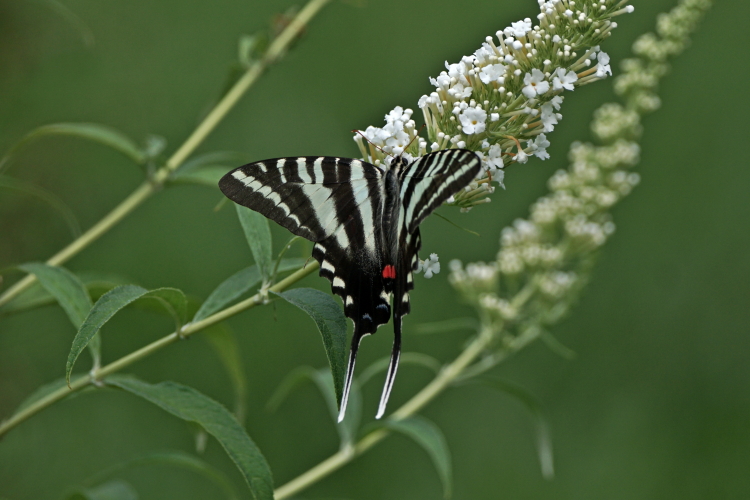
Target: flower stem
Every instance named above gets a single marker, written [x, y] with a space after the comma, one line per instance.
[151, 348]
[443, 379]
[209, 123]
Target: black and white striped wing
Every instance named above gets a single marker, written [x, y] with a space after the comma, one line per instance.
[315, 197]
[425, 185]
[336, 203]
[431, 180]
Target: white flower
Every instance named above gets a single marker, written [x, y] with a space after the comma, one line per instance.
[522, 157]
[539, 146]
[398, 114]
[494, 159]
[563, 80]
[473, 120]
[549, 117]
[430, 266]
[602, 67]
[535, 84]
[492, 73]
[518, 29]
[397, 142]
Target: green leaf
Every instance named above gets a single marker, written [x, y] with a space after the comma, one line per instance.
[429, 437]
[348, 428]
[95, 132]
[258, 235]
[47, 197]
[112, 302]
[117, 489]
[46, 390]
[205, 176]
[65, 287]
[36, 295]
[236, 285]
[407, 358]
[223, 159]
[70, 293]
[543, 435]
[330, 320]
[224, 342]
[230, 289]
[176, 459]
[192, 406]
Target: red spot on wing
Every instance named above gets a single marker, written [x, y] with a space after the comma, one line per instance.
[389, 271]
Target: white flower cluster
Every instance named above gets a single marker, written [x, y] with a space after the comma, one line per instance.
[544, 259]
[503, 99]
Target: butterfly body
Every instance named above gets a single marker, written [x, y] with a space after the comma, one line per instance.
[364, 221]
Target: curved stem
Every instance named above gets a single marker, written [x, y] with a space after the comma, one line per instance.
[443, 379]
[149, 349]
[277, 48]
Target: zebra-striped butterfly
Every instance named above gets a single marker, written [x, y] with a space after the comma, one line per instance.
[364, 221]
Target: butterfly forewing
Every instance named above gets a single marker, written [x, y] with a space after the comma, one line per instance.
[428, 182]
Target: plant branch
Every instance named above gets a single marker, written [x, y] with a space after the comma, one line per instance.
[187, 330]
[442, 381]
[277, 48]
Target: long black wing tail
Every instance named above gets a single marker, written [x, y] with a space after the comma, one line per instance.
[407, 264]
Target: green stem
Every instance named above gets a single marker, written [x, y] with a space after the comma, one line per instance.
[151, 348]
[209, 123]
[443, 379]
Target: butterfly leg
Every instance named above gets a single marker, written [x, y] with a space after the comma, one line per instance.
[392, 367]
[356, 339]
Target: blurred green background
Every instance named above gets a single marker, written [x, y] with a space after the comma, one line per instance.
[655, 405]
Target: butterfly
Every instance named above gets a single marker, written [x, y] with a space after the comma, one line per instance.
[364, 221]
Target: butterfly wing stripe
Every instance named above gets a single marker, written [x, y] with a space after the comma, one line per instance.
[434, 178]
[310, 196]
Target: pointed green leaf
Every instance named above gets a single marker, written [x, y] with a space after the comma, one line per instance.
[65, 287]
[37, 296]
[258, 236]
[205, 176]
[192, 406]
[348, 428]
[236, 285]
[229, 290]
[429, 437]
[70, 293]
[117, 489]
[407, 358]
[112, 302]
[95, 132]
[46, 390]
[224, 342]
[543, 435]
[49, 198]
[176, 459]
[330, 320]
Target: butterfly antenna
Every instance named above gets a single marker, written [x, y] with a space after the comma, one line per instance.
[371, 144]
[392, 367]
[415, 137]
[356, 338]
